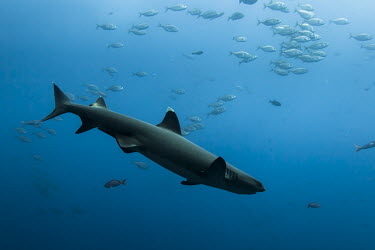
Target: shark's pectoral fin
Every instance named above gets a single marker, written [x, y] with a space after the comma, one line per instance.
[217, 168]
[86, 125]
[171, 122]
[128, 144]
[189, 183]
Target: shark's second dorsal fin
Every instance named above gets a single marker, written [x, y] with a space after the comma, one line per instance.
[217, 168]
[100, 103]
[171, 122]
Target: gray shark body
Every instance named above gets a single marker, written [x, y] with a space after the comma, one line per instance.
[162, 144]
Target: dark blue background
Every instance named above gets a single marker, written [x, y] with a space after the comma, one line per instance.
[302, 151]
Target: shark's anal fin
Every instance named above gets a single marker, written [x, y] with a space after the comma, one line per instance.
[171, 122]
[86, 125]
[217, 168]
[128, 144]
[189, 183]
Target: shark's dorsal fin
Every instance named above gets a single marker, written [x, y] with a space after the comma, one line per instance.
[100, 103]
[171, 122]
[217, 168]
[128, 144]
[86, 125]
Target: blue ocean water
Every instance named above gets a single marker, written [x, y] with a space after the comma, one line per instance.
[301, 151]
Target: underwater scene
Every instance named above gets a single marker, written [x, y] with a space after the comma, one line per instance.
[231, 124]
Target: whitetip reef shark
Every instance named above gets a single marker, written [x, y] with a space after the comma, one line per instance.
[162, 144]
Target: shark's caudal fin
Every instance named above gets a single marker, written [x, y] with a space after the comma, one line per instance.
[358, 148]
[60, 103]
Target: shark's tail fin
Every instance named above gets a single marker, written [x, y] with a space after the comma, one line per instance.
[358, 148]
[60, 103]
[123, 182]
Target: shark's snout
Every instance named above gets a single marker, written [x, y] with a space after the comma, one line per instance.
[260, 187]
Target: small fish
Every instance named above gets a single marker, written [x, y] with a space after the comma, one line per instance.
[270, 21]
[37, 157]
[194, 12]
[285, 65]
[211, 14]
[24, 139]
[240, 54]
[21, 130]
[307, 7]
[141, 26]
[299, 71]
[137, 32]
[217, 111]
[340, 21]
[227, 98]
[216, 104]
[114, 183]
[199, 52]
[236, 16]
[40, 135]
[368, 46]
[115, 88]
[189, 128]
[292, 53]
[361, 37]
[305, 14]
[169, 27]
[318, 53]
[194, 118]
[140, 74]
[368, 145]
[149, 13]
[141, 165]
[50, 131]
[108, 26]
[315, 21]
[179, 91]
[177, 7]
[313, 205]
[305, 26]
[71, 96]
[290, 45]
[310, 58]
[115, 45]
[32, 122]
[276, 6]
[240, 39]
[110, 71]
[281, 72]
[184, 133]
[267, 48]
[318, 45]
[198, 126]
[301, 39]
[275, 103]
[92, 87]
